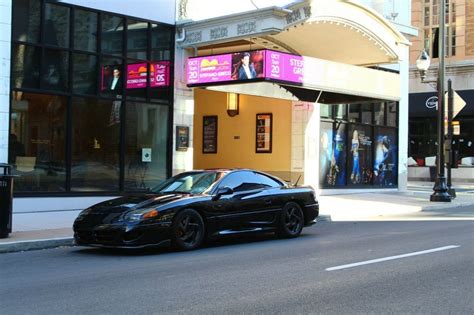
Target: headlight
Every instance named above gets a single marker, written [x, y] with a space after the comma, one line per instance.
[139, 215]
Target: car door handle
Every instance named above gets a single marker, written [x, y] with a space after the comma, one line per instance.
[268, 201]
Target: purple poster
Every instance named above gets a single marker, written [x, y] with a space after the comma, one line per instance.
[136, 75]
[283, 67]
[243, 66]
[160, 74]
[209, 69]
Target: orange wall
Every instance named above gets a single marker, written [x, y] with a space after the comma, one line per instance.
[232, 152]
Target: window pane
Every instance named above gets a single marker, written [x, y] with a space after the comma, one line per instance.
[26, 66]
[112, 35]
[111, 77]
[137, 34]
[326, 111]
[360, 161]
[55, 70]
[379, 110]
[137, 79]
[386, 160]
[95, 145]
[354, 113]
[26, 20]
[85, 30]
[160, 42]
[56, 25]
[85, 74]
[332, 155]
[367, 113]
[37, 147]
[392, 114]
[146, 133]
[340, 111]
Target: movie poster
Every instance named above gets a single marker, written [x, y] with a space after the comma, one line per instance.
[332, 155]
[385, 157]
[360, 155]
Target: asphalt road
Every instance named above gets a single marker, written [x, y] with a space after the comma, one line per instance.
[425, 267]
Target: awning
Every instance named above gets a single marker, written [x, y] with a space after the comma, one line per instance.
[340, 31]
[421, 105]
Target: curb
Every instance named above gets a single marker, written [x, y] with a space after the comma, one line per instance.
[20, 246]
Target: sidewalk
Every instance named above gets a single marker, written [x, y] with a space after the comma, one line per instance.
[347, 207]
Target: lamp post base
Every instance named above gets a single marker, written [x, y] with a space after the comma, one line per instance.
[440, 193]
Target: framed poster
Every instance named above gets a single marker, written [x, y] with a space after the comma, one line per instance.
[182, 138]
[263, 143]
[209, 134]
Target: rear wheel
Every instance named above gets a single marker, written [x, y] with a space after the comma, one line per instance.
[291, 221]
[188, 230]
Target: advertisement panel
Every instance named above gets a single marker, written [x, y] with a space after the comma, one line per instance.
[136, 75]
[245, 66]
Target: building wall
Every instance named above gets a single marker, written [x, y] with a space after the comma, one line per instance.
[464, 31]
[236, 135]
[5, 45]
[470, 29]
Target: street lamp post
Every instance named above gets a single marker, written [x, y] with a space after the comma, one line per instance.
[440, 190]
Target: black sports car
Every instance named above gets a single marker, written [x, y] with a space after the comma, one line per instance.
[193, 206]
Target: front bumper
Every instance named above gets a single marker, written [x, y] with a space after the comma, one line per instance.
[122, 235]
[311, 212]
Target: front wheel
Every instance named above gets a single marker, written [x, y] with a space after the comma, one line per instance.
[291, 221]
[188, 230]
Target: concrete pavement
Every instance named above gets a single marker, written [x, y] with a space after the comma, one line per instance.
[53, 229]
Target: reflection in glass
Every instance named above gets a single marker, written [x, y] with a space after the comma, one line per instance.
[326, 111]
[56, 25]
[112, 35]
[26, 66]
[379, 113]
[367, 113]
[146, 145]
[137, 79]
[85, 74]
[37, 140]
[55, 70]
[161, 42]
[392, 114]
[354, 112]
[95, 145]
[26, 20]
[340, 111]
[111, 77]
[137, 35]
[85, 30]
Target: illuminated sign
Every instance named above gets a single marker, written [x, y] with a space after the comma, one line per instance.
[254, 65]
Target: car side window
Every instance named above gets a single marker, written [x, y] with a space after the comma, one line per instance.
[267, 181]
[245, 180]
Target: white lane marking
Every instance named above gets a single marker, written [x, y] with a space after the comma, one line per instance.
[373, 261]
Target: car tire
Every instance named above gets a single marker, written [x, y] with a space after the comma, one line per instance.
[291, 221]
[187, 232]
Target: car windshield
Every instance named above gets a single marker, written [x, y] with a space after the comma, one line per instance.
[190, 183]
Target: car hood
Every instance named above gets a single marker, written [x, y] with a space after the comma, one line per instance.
[129, 203]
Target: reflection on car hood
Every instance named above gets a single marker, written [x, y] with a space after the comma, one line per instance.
[128, 203]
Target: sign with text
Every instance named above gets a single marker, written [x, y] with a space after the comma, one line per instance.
[245, 66]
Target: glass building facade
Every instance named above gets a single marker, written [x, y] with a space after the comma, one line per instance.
[91, 100]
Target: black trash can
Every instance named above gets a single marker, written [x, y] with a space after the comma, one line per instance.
[6, 200]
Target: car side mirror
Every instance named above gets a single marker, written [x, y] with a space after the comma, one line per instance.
[222, 191]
